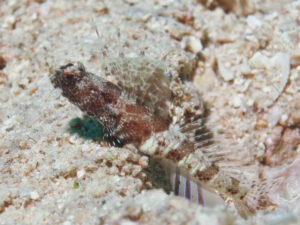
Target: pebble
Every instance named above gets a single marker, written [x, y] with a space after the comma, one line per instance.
[2, 62]
[236, 101]
[224, 72]
[34, 195]
[259, 61]
[80, 173]
[191, 43]
[253, 22]
[260, 124]
[275, 115]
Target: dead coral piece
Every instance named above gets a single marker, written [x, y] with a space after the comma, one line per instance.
[294, 115]
[295, 58]
[3, 78]
[224, 71]
[274, 72]
[261, 123]
[281, 145]
[192, 44]
[238, 7]
[2, 63]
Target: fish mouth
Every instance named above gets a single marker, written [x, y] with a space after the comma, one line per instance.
[54, 77]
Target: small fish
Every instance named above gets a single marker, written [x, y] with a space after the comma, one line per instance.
[143, 104]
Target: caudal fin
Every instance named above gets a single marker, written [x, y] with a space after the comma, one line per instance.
[258, 197]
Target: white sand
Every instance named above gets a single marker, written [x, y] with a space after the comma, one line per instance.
[249, 80]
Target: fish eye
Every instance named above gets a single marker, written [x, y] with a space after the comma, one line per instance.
[69, 76]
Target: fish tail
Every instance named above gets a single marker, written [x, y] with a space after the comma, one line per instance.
[258, 197]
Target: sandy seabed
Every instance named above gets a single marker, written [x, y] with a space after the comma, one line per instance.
[244, 58]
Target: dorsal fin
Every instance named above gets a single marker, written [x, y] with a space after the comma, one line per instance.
[145, 81]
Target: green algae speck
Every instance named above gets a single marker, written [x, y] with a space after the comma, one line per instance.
[86, 128]
[75, 185]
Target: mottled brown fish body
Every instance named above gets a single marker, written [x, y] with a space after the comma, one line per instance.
[108, 104]
[135, 125]
[163, 118]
